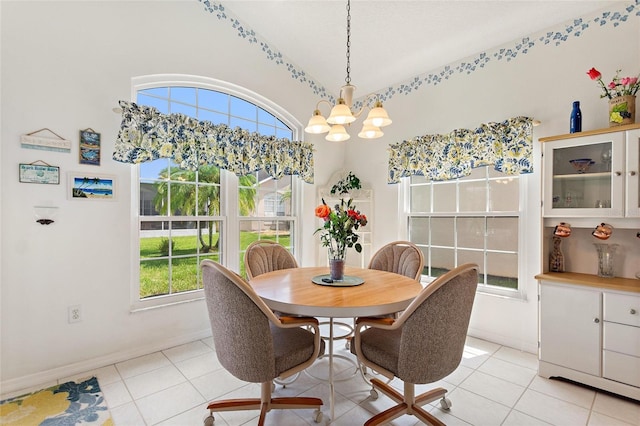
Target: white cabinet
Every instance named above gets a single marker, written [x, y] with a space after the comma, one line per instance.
[592, 174]
[570, 327]
[590, 333]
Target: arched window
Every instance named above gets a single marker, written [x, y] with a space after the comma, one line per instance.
[187, 216]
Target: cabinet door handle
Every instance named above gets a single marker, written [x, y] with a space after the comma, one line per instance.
[596, 320]
[618, 173]
[632, 311]
[632, 173]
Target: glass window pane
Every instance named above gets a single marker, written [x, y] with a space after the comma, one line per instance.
[177, 108]
[471, 256]
[213, 100]
[248, 125]
[160, 104]
[209, 200]
[243, 109]
[284, 134]
[442, 231]
[152, 239]
[151, 200]
[154, 277]
[184, 274]
[504, 194]
[473, 196]
[418, 179]
[152, 169]
[421, 198]
[186, 95]
[266, 117]
[183, 199]
[444, 197]
[266, 130]
[470, 232]
[441, 261]
[502, 270]
[213, 117]
[502, 233]
[161, 92]
[419, 230]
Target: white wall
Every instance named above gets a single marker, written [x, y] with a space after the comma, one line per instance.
[66, 64]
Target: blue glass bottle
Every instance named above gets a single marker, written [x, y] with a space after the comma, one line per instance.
[575, 123]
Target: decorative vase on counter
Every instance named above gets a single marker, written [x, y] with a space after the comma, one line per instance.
[606, 259]
[622, 110]
[336, 268]
[556, 258]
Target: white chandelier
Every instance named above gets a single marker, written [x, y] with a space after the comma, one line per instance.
[341, 114]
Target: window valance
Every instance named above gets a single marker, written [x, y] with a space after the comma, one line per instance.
[146, 135]
[508, 146]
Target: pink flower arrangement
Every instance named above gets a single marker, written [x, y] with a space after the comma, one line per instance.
[617, 86]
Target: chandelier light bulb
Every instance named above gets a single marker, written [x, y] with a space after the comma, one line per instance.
[378, 116]
[341, 114]
[317, 124]
[337, 134]
[370, 132]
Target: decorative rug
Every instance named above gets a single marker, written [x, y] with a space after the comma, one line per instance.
[67, 404]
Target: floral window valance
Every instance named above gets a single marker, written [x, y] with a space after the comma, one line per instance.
[146, 135]
[508, 146]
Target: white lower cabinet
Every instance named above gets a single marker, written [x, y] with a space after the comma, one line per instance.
[590, 335]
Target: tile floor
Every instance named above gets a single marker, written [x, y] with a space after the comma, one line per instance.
[494, 385]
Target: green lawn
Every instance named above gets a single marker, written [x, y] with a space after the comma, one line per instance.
[154, 269]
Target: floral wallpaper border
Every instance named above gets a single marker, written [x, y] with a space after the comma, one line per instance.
[519, 47]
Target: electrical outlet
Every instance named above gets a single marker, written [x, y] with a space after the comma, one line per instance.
[74, 314]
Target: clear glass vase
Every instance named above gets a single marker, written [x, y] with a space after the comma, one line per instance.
[606, 259]
[336, 268]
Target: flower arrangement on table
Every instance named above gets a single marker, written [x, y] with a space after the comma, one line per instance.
[621, 93]
[340, 224]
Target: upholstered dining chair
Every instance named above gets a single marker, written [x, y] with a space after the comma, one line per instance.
[401, 257]
[423, 345]
[263, 256]
[255, 345]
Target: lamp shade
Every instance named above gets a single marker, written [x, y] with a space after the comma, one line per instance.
[378, 116]
[317, 124]
[370, 132]
[337, 133]
[341, 114]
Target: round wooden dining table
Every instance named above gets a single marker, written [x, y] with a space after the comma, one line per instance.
[294, 291]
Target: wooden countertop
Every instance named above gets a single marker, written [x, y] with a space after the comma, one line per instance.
[616, 283]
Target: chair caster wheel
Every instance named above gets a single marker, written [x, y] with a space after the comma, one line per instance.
[209, 420]
[374, 394]
[317, 416]
[445, 403]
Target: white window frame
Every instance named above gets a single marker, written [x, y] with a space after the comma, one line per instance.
[228, 187]
[526, 214]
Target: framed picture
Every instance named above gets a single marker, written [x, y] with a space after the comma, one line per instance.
[89, 147]
[89, 186]
[39, 173]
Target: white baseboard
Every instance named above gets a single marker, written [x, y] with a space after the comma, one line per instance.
[519, 344]
[31, 381]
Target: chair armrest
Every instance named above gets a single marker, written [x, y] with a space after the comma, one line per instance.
[375, 321]
[298, 320]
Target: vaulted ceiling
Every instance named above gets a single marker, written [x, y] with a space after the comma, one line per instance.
[395, 40]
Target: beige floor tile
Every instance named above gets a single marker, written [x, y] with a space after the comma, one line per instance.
[187, 351]
[142, 364]
[493, 388]
[565, 391]
[168, 403]
[618, 408]
[154, 381]
[551, 410]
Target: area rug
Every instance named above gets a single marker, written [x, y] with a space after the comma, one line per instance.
[66, 404]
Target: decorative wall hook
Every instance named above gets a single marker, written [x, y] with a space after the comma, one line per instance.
[45, 215]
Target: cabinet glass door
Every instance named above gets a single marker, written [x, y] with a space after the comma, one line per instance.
[581, 177]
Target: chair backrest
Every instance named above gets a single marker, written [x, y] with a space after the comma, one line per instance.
[401, 257]
[240, 323]
[435, 324]
[264, 256]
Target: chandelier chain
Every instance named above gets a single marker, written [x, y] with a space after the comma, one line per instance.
[348, 78]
